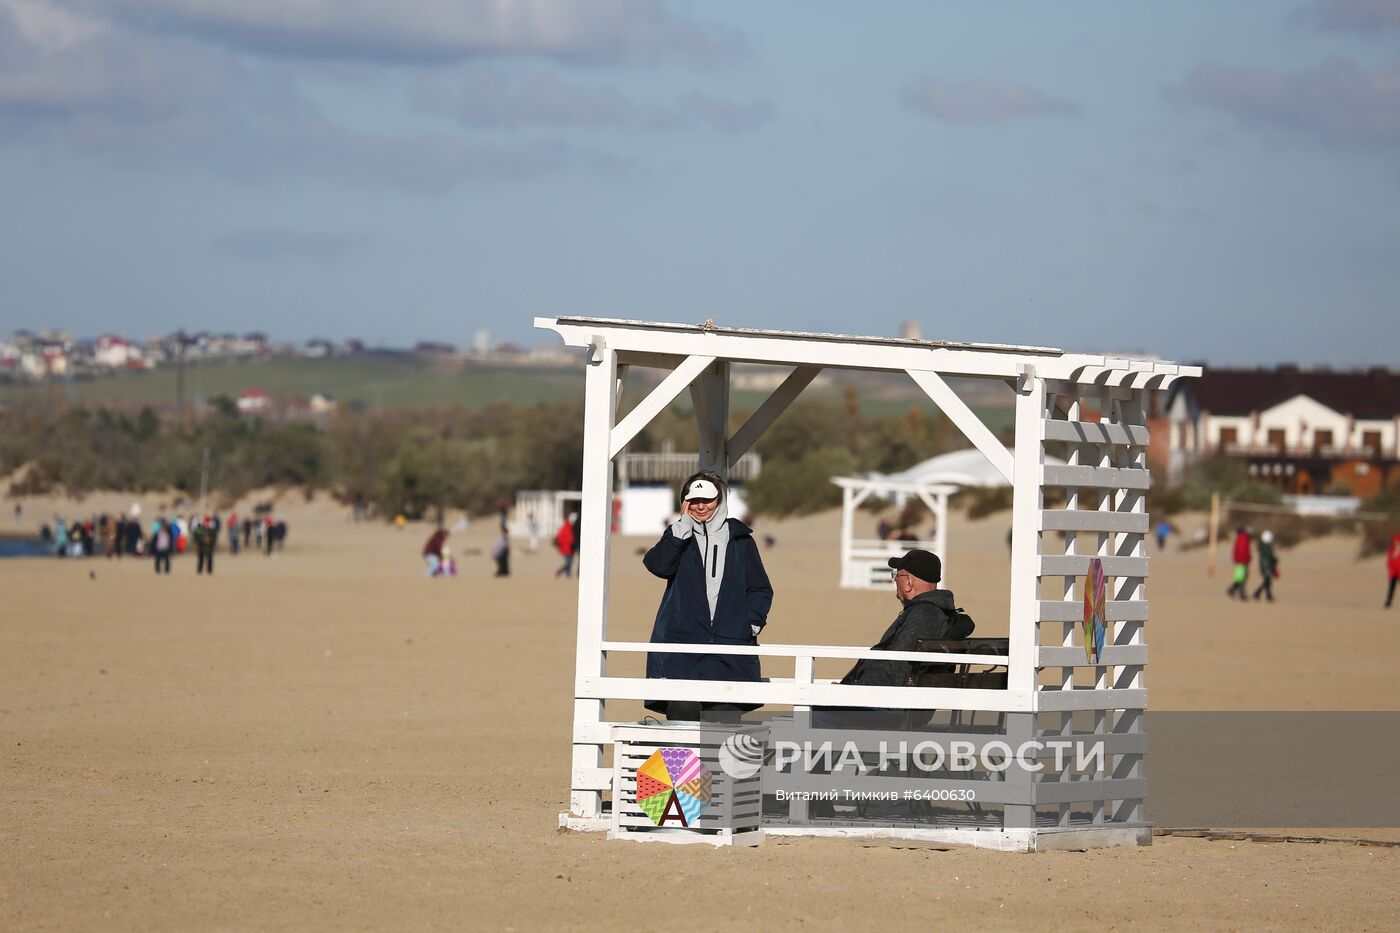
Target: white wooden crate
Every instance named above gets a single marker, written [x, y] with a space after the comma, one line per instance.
[736, 803]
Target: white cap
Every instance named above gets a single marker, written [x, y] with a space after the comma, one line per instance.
[1267, 537]
[701, 489]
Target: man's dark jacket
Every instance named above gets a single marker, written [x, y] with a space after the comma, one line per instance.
[926, 616]
[745, 596]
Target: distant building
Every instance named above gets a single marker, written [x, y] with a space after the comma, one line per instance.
[1305, 431]
[318, 348]
[322, 404]
[254, 402]
[433, 348]
[114, 352]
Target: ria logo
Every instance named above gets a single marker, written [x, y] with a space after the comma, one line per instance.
[741, 756]
[673, 785]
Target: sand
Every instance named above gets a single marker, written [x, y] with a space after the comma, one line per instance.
[327, 740]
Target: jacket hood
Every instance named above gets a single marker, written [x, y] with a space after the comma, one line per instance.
[943, 599]
[738, 529]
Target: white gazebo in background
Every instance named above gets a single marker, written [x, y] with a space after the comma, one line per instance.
[1049, 677]
[864, 561]
[549, 507]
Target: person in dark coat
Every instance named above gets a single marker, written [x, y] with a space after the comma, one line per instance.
[717, 592]
[928, 614]
[162, 543]
[205, 538]
[1268, 566]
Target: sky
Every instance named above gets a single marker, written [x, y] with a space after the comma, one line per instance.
[1209, 180]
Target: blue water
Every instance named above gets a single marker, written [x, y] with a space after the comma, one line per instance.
[25, 547]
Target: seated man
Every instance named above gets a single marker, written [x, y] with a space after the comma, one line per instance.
[928, 613]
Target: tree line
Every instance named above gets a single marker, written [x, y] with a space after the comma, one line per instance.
[422, 462]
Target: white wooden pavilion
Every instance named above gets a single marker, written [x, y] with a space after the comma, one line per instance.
[864, 561]
[1049, 677]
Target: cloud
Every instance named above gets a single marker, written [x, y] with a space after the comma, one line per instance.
[1351, 15]
[435, 31]
[976, 102]
[1337, 101]
[169, 104]
[54, 62]
[546, 101]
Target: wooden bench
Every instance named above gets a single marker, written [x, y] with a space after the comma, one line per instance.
[961, 674]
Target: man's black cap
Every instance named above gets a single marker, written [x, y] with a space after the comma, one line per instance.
[920, 563]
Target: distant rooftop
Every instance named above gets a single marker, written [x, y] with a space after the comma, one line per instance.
[1369, 394]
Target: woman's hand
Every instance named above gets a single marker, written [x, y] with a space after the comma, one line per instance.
[684, 526]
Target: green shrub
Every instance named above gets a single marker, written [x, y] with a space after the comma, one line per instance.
[802, 487]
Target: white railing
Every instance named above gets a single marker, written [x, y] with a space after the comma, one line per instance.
[803, 690]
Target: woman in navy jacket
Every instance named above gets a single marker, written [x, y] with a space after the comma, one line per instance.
[717, 592]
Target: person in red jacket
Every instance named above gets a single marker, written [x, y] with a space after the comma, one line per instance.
[1392, 563]
[1243, 556]
[565, 544]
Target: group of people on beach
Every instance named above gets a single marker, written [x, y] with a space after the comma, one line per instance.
[125, 535]
[1243, 556]
[439, 560]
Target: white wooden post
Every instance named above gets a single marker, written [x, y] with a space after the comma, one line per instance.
[1131, 632]
[1027, 501]
[940, 538]
[595, 518]
[848, 512]
[710, 396]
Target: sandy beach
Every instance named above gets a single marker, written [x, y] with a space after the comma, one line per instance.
[325, 739]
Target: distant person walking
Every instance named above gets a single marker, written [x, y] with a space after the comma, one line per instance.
[1243, 555]
[532, 525]
[1268, 565]
[1163, 531]
[233, 530]
[500, 552]
[1392, 563]
[205, 538]
[19, 513]
[564, 544]
[162, 543]
[432, 551]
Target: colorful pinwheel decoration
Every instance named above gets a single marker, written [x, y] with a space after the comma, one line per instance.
[1095, 614]
[673, 785]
